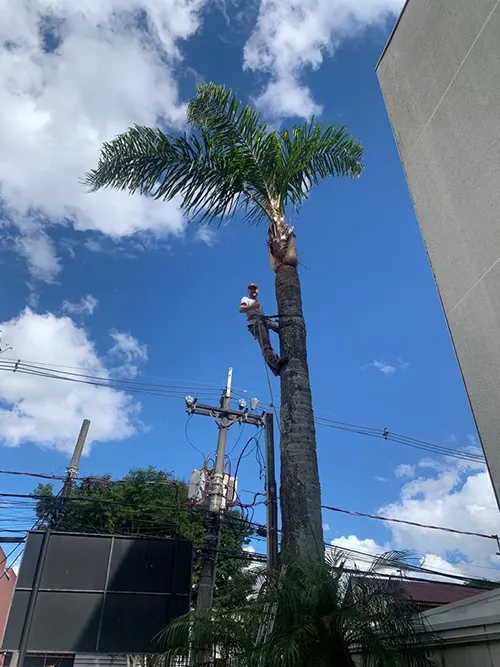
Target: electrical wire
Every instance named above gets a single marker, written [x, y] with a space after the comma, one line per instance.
[37, 370]
[37, 523]
[95, 380]
[188, 440]
[242, 428]
[231, 518]
[174, 391]
[242, 455]
[385, 434]
[410, 523]
[185, 385]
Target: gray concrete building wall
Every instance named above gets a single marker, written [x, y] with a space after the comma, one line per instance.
[440, 78]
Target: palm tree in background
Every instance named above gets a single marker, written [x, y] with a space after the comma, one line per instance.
[232, 162]
[311, 615]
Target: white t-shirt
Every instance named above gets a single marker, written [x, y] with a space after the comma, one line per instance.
[254, 313]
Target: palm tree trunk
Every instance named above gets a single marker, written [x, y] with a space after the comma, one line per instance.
[300, 488]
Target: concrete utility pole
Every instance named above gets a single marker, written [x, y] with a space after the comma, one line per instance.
[227, 417]
[211, 541]
[72, 469]
[71, 473]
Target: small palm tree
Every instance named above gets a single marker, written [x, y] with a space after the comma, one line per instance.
[231, 161]
[312, 616]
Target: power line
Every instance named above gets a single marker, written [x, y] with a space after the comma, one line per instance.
[180, 384]
[385, 434]
[143, 508]
[410, 523]
[259, 557]
[174, 483]
[37, 524]
[242, 428]
[98, 381]
[175, 391]
[199, 508]
[413, 568]
[188, 439]
[231, 518]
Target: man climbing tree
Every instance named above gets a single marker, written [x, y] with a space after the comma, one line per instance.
[259, 325]
[230, 160]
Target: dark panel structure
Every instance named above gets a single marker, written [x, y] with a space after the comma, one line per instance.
[99, 593]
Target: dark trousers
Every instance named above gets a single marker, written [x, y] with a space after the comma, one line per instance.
[260, 331]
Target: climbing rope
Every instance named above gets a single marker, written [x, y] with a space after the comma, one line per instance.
[271, 403]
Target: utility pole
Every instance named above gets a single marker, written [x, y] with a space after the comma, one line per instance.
[271, 498]
[71, 471]
[211, 541]
[214, 501]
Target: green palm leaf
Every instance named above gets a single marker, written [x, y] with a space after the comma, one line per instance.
[162, 166]
[232, 125]
[311, 153]
[316, 616]
[230, 161]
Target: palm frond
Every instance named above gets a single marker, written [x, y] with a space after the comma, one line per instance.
[199, 636]
[392, 560]
[312, 152]
[232, 160]
[312, 618]
[234, 126]
[146, 160]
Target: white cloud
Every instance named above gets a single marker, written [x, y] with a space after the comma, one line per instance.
[295, 35]
[362, 553]
[356, 550]
[85, 306]
[380, 479]
[49, 412]
[326, 528]
[405, 470]
[126, 354]
[383, 367]
[71, 76]
[386, 368]
[456, 494]
[205, 234]
[33, 298]
[35, 245]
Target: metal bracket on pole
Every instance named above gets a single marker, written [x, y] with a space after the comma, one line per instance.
[219, 412]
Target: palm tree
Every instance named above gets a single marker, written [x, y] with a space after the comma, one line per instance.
[316, 615]
[231, 161]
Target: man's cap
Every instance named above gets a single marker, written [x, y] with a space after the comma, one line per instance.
[252, 285]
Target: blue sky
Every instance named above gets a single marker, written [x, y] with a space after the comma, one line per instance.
[125, 286]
